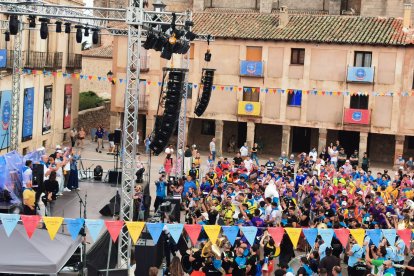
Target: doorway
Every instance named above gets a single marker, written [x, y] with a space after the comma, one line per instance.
[301, 139]
[241, 133]
[349, 140]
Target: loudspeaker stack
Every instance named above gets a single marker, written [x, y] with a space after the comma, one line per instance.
[207, 81]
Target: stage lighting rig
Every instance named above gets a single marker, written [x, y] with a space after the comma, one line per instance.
[58, 26]
[32, 21]
[44, 30]
[79, 33]
[13, 24]
[7, 36]
[86, 33]
[150, 42]
[67, 28]
[95, 36]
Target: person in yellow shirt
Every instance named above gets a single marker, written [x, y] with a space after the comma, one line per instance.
[392, 192]
[29, 197]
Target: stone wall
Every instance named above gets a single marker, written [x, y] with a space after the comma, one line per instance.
[93, 117]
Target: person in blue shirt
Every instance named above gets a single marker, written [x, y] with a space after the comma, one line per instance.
[189, 183]
[160, 191]
[99, 136]
[355, 253]
[300, 178]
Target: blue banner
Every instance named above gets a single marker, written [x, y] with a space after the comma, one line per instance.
[375, 236]
[94, 227]
[175, 230]
[74, 226]
[5, 113]
[28, 108]
[9, 222]
[3, 58]
[155, 230]
[361, 74]
[251, 68]
[250, 233]
[310, 235]
[231, 233]
[390, 235]
[326, 235]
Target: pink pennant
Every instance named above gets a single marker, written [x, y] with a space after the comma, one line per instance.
[342, 235]
[54, 74]
[90, 77]
[193, 231]
[30, 224]
[405, 235]
[114, 227]
[277, 234]
[34, 72]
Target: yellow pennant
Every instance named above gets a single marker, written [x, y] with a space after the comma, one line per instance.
[358, 235]
[52, 225]
[135, 229]
[212, 232]
[294, 235]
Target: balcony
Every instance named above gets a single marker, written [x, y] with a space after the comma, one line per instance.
[360, 74]
[37, 60]
[247, 108]
[74, 62]
[251, 68]
[357, 116]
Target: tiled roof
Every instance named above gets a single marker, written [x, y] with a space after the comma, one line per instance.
[227, 10]
[103, 52]
[303, 28]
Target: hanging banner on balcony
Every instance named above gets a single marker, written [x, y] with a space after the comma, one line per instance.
[28, 108]
[357, 116]
[251, 68]
[3, 58]
[248, 108]
[68, 106]
[5, 112]
[47, 109]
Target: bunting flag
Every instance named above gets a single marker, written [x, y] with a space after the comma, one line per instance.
[175, 230]
[135, 229]
[193, 231]
[310, 235]
[52, 225]
[390, 235]
[74, 226]
[155, 230]
[294, 235]
[30, 223]
[9, 222]
[358, 235]
[94, 226]
[342, 235]
[212, 232]
[326, 235]
[277, 234]
[375, 236]
[250, 233]
[114, 227]
[231, 233]
[405, 235]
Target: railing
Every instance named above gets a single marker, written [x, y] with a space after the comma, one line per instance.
[74, 61]
[37, 60]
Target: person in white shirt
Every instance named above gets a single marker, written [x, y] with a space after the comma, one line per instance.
[314, 154]
[244, 151]
[27, 172]
[212, 147]
[248, 163]
[333, 152]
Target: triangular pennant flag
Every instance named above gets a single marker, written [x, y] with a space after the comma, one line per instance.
[231, 233]
[193, 231]
[34, 72]
[52, 225]
[114, 227]
[149, 82]
[253, 89]
[390, 235]
[277, 234]
[250, 233]
[9, 222]
[212, 232]
[310, 235]
[155, 230]
[99, 78]
[30, 223]
[294, 235]
[159, 83]
[90, 77]
[358, 235]
[240, 89]
[195, 86]
[326, 235]
[94, 226]
[214, 87]
[74, 226]
[342, 235]
[135, 229]
[405, 235]
[221, 88]
[375, 236]
[175, 230]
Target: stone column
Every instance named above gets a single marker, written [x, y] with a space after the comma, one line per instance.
[399, 148]
[219, 137]
[363, 144]
[250, 134]
[286, 139]
[322, 139]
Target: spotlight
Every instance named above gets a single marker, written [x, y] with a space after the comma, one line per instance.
[190, 36]
[7, 36]
[159, 44]
[178, 33]
[67, 28]
[172, 39]
[14, 24]
[58, 26]
[185, 47]
[44, 30]
[150, 42]
[167, 51]
[32, 21]
[188, 24]
[207, 56]
[78, 33]
[86, 31]
[95, 36]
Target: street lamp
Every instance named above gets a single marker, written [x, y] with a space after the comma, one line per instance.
[159, 6]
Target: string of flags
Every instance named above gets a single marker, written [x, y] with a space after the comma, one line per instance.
[135, 228]
[221, 88]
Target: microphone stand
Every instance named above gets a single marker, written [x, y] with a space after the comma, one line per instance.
[83, 203]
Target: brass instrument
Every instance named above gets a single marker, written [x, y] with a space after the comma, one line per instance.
[211, 249]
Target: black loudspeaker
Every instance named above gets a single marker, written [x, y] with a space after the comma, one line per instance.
[175, 207]
[165, 125]
[117, 136]
[148, 254]
[37, 175]
[98, 255]
[207, 81]
[112, 208]
[114, 177]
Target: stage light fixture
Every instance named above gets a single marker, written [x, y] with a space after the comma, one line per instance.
[167, 51]
[44, 30]
[95, 36]
[150, 42]
[13, 24]
[161, 41]
[190, 36]
[7, 36]
[207, 56]
[67, 28]
[58, 26]
[32, 21]
[79, 33]
[86, 32]
[185, 47]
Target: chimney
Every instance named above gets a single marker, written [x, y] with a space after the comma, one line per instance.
[266, 6]
[407, 16]
[198, 5]
[283, 17]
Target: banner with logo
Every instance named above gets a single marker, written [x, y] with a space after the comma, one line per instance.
[310, 235]
[67, 110]
[114, 227]
[212, 232]
[3, 58]
[135, 229]
[5, 113]
[28, 110]
[231, 233]
[251, 68]
[193, 231]
[155, 230]
[357, 116]
[277, 234]
[294, 235]
[342, 235]
[358, 235]
[74, 226]
[30, 223]
[250, 233]
[326, 235]
[47, 109]
[52, 225]
[9, 222]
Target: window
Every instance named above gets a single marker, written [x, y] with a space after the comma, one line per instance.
[363, 59]
[359, 102]
[251, 94]
[294, 99]
[192, 51]
[297, 56]
[208, 127]
[253, 53]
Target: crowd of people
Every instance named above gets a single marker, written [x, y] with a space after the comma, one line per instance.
[326, 190]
